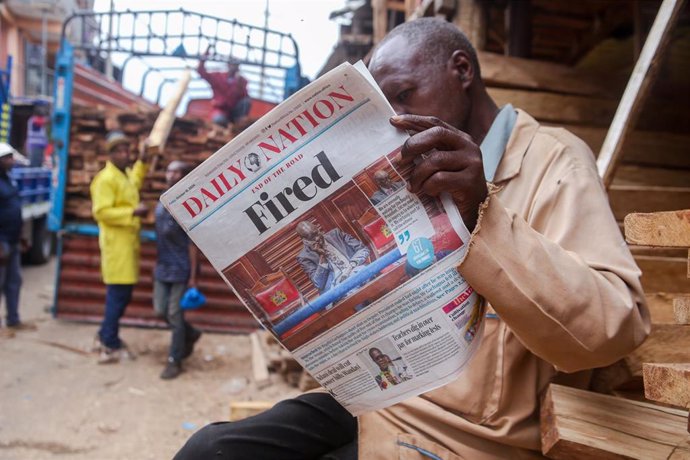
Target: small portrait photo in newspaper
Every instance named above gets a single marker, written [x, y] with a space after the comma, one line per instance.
[384, 363]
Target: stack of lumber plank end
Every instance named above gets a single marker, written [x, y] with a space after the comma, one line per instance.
[268, 356]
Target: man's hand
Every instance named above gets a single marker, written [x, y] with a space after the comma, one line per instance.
[141, 210]
[446, 160]
[143, 151]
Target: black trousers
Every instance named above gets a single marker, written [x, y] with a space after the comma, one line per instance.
[311, 426]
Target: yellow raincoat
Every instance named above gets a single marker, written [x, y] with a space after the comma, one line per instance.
[114, 196]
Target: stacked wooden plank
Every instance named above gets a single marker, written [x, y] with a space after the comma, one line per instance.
[190, 140]
[268, 356]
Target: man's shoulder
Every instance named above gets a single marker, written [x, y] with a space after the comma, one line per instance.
[558, 145]
[103, 175]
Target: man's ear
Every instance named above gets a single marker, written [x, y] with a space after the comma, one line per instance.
[462, 67]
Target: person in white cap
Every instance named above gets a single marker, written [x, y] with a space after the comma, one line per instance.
[118, 211]
[10, 234]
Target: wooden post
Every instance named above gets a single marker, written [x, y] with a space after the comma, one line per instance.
[519, 28]
[380, 19]
[470, 17]
[638, 88]
[259, 362]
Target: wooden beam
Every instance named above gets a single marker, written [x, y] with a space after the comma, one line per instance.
[513, 72]
[242, 409]
[578, 424]
[519, 28]
[681, 309]
[557, 108]
[667, 383]
[670, 150]
[638, 88]
[628, 174]
[663, 274]
[471, 18]
[629, 199]
[668, 229]
[259, 362]
[164, 122]
[380, 19]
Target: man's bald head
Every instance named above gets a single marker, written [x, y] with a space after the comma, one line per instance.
[381, 178]
[307, 230]
[436, 38]
[175, 171]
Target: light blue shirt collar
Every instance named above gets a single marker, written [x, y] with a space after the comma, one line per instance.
[494, 144]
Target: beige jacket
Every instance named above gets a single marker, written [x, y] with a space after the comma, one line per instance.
[549, 258]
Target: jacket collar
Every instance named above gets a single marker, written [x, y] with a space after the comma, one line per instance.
[520, 139]
[114, 169]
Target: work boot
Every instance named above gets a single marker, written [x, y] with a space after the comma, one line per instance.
[190, 342]
[172, 370]
[108, 356]
[22, 327]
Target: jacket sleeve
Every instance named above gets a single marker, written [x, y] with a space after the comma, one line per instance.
[138, 173]
[201, 69]
[359, 250]
[565, 283]
[317, 273]
[104, 210]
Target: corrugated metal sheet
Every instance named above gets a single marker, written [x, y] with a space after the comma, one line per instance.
[81, 293]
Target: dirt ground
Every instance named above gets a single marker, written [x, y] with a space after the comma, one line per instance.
[57, 403]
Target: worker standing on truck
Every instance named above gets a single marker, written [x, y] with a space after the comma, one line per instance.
[230, 100]
[10, 234]
[117, 209]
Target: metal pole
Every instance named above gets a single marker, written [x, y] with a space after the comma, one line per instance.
[44, 51]
[108, 61]
[263, 54]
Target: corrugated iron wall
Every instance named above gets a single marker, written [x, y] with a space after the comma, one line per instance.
[81, 293]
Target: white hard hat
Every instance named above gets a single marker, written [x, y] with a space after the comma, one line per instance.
[6, 149]
[19, 159]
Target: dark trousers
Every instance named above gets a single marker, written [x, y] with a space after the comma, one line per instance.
[166, 301]
[311, 426]
[11, 282]
[117, 297]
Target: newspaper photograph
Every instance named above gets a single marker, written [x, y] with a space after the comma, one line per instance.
[307, 217]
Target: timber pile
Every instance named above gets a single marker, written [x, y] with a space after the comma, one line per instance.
[268, 356]
[191, 140]
[582, 424]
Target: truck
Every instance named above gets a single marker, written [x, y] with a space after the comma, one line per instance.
[163, 43]
[34, 183]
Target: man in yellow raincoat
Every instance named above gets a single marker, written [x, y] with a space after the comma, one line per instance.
[116, 208]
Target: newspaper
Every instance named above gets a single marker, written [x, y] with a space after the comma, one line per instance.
[306, 215]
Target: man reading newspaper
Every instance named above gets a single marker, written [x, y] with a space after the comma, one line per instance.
[546, 253]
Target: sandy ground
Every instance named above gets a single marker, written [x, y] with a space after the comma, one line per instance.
[57, 403]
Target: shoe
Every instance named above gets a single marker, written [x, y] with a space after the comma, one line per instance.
[22, 327]
[96, 346]
[171, 371]
[190, 342]
[125, 352]
[6, 333]
[109, 356]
